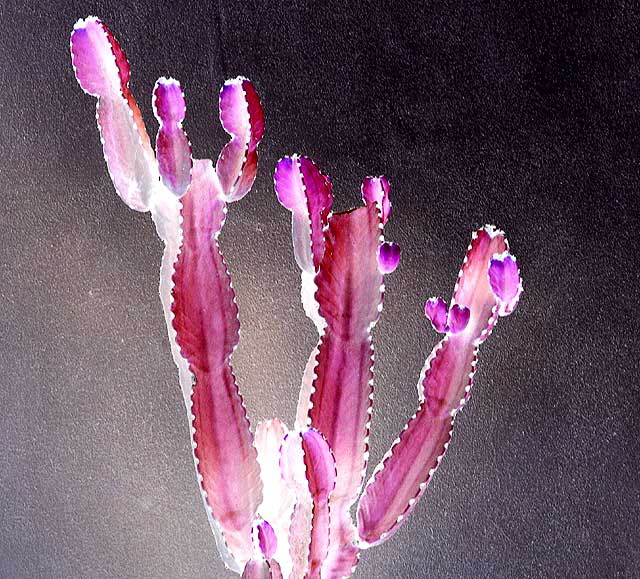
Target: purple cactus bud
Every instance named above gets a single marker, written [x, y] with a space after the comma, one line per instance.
[436, 310]
[267, 539]
[458, 318]
[388, 257]
[504, 278]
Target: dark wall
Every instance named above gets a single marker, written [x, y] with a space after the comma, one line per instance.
[526, 117]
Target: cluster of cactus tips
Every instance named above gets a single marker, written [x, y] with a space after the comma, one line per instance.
[280, 501]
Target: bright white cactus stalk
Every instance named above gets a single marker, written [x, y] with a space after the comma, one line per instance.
[279, 502]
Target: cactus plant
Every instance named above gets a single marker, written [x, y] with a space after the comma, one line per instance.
[279, 501]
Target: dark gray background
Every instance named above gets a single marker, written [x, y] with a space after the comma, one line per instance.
[526, 117]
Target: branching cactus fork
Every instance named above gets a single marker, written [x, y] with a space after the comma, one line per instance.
[280, 501]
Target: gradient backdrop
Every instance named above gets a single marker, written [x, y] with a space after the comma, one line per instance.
[526, 117]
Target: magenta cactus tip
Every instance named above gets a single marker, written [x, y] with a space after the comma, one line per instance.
[279, 501]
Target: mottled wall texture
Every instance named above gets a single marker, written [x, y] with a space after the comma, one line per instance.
[526, 117]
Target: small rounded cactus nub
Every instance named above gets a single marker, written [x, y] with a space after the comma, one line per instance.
[505, 281]
[388, 257]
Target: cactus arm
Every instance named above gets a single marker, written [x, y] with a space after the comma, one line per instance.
[309, 467]
[350, 298]
[402, 476]
[320, 469]
[293, 468]
[166, 216]
[207, 331]
[102, 71]
[306, 192]
[389, 498]
[341, 395]
[337, 387]
[242, 117]
[173, 149]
